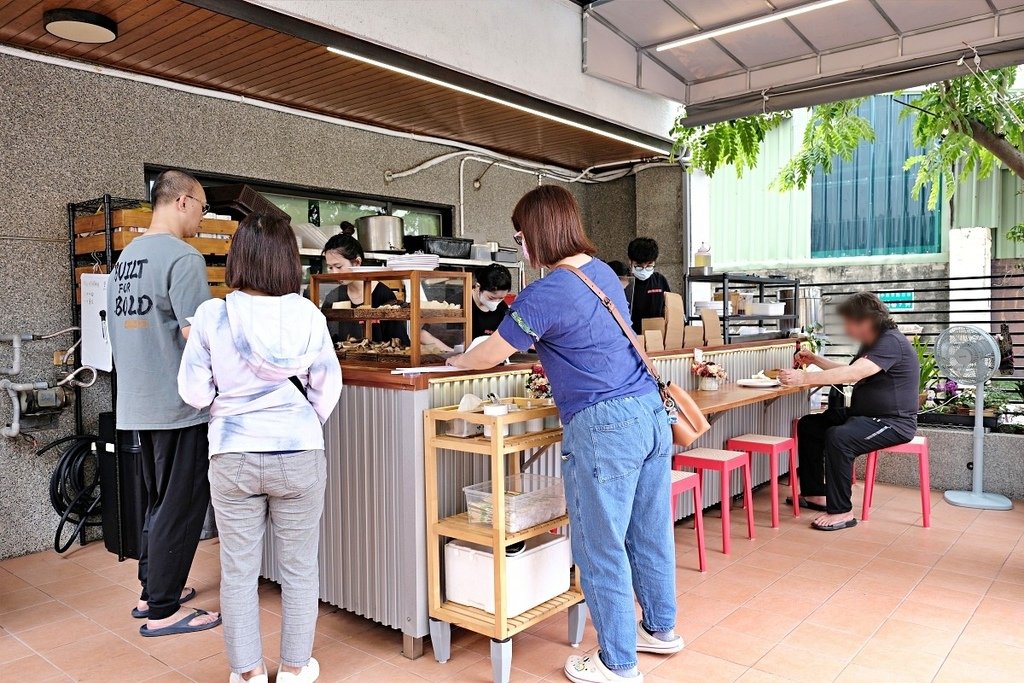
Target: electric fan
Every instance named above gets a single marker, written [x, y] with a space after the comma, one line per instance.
[970, 357]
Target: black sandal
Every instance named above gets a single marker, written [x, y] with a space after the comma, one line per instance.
[804, 503]
[839, 526]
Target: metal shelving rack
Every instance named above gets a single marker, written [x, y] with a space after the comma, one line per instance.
[732, 281]
[499, 627]
[102, 261]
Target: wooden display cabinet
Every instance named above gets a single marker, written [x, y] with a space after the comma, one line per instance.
[420, 293]
[504, 453]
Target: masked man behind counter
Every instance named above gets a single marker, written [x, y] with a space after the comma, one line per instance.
[649, 286]
[157, 285]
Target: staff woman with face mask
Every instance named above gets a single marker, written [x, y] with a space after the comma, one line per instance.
[647, 299]
[492, 285]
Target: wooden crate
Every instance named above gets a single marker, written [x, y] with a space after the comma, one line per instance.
[96, 243]
[215, 274]
[79, 271]
[122, 218]
[140, 218]
[220, 291]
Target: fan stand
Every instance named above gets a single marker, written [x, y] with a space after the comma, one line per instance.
[977, 498]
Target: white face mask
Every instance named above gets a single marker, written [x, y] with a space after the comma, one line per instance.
[489, 305]
[643, 273]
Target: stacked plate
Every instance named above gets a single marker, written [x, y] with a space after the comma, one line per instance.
[413, 262]
[717, 306]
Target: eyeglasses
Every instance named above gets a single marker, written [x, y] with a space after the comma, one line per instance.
[206, 207]
[518, 237]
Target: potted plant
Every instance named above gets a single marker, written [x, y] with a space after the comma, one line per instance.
[929, 368]
[709, 375]
[813, 337]
[538, 390]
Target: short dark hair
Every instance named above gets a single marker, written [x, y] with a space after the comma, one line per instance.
[346, 245]
[493, 278]
[619, 268]
[549, 218]
[170, 185]
[264, 256]
[867, 306]
[642, 250]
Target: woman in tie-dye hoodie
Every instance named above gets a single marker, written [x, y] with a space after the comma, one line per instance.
[264, 363]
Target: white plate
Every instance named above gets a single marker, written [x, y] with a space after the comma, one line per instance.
[759, 383]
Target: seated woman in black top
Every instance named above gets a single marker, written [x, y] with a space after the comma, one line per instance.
[492, 284]
[342, 253]
[883, 412]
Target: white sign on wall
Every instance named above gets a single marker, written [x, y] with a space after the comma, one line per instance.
[95, 338]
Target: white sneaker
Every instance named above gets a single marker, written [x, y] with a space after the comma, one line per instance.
[645, 642]
[590, 669]
[258, 678]
[309, 673]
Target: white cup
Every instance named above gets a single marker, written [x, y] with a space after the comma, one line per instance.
[493, 410]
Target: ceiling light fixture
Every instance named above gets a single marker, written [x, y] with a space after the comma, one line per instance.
[80, 26]
[496, 100]
[744, 25]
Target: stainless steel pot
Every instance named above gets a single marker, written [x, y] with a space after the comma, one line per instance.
[380, 233]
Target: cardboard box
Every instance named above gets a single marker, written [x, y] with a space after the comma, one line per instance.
[654, 341]
[693, 337]
[653, 324]
[674, 321]
[712, 328]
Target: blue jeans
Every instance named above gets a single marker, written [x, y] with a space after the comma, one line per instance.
[616, 469]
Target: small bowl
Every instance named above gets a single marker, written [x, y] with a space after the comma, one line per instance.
[772, 374]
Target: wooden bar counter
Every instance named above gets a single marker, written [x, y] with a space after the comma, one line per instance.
[373, 533]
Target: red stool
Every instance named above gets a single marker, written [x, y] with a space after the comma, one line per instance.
[917, 446]
[681, 483]
[772, 446]
[724, 462]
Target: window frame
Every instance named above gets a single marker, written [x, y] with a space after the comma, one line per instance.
[390, 204]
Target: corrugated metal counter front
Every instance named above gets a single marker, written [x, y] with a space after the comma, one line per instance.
[373, 535]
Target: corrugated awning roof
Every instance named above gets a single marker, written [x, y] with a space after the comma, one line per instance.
[722, 59]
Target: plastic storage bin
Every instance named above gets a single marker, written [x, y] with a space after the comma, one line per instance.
[534, 576]
[765, 308]
[530, 499]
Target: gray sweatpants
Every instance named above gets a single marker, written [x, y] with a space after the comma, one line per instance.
[247, 489]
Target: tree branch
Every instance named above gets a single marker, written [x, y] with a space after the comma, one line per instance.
[998, 146]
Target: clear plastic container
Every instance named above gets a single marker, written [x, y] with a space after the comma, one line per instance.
[530, 499]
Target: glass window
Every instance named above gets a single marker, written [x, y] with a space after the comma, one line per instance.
[418, 222]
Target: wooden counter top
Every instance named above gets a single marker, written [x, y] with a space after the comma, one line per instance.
[731, 396]
[355, 374]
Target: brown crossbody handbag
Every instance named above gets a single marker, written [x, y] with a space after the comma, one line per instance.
[687, 421]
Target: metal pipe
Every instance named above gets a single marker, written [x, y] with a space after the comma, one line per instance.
[14, 429]
[15, 341]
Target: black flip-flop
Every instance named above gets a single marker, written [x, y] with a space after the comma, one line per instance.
[139, 614]
[180, 626]
[804, 503]
[850, 523]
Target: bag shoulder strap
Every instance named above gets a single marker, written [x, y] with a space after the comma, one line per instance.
[626, 328]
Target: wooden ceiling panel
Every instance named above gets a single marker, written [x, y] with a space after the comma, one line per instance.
[188, 43]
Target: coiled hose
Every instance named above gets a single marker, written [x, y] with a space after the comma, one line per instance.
[74, 487]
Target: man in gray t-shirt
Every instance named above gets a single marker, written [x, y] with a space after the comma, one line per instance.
[156, 285]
